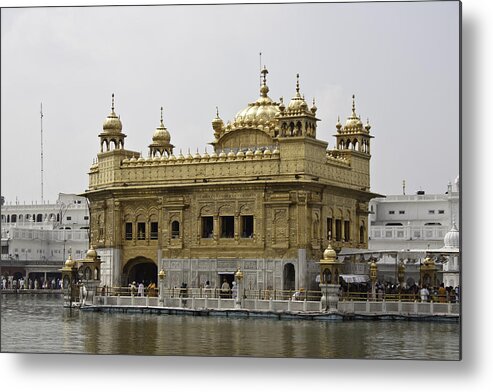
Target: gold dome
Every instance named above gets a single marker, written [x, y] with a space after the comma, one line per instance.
[69, 263]
[262, 110]
[112, 124]
[91, 254]
[353, 121]
[329, 253]
[161, 134]
[297, 103]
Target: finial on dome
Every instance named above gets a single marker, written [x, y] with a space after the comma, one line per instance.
[264, 89]
[217, 112]
[354, 107]
[264, 73]
[113, 102]
[297, 83]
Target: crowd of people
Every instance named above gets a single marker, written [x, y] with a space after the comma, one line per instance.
[30, 284]
[415, 292]
[141, 290]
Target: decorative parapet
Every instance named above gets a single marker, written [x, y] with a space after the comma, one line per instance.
[231, 155]
[334, 157]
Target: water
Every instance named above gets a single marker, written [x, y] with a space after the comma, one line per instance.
[39, 323]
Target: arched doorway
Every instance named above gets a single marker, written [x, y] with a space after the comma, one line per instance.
[140, 269]
[288, 277]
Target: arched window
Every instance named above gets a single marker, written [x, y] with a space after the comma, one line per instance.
[175, 229]
[39, 218]
[13, 218]
[362, 234]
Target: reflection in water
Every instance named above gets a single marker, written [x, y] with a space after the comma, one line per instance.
[39, 323]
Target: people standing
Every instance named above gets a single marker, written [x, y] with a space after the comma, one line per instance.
[424, 293]
[133, 288]
[151, 289]
[140, 290]
[442, 293]
[225, 288]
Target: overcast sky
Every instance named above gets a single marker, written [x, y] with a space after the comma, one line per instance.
[401, 60]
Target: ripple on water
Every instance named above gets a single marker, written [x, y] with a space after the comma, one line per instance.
[39, 323]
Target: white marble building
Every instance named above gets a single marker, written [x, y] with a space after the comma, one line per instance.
[45, 232]
[420, 221]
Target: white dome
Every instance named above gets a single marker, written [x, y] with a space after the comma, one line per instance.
[451, 239]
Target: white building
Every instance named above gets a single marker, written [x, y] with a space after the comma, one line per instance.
[36, 238]
[420, 221]
[407, 228]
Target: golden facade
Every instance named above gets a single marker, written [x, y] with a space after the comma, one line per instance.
[266, 199]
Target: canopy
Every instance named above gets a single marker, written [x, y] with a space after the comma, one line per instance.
[355, 278]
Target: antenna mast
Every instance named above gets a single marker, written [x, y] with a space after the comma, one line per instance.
[41, 116]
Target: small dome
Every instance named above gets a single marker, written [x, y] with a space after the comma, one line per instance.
[258, 153]
[91, 253]
[353, 121]
[69, 263]
[329, 253]
[112, 124]
[249, 153]
[240, 154]
[197, 155]
[231, 154]
[297, 103]
[452, 238]
[267, 152]
[161, 135]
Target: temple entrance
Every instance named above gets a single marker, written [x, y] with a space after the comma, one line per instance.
[288, 275]
[139, 270]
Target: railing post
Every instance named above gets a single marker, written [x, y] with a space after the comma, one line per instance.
[147, 301]
[449, 307]
[271, 304]
[206, 302]
[415, 306]
[289, 305]
[431, 307]
[118, 300]
[193, 301]
[304, 305]
[219, 302]
[384, 306]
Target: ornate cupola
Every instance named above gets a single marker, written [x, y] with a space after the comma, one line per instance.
[161, 141]
[217, 125]
[112, 136]
[354, 135]
[297, 119]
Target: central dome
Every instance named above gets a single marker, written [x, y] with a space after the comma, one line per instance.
[262, 111]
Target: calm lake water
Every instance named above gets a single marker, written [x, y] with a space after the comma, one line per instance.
[40, 324]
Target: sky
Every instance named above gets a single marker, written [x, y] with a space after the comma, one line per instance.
[401, 60]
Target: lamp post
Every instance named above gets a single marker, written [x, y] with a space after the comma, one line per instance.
[239, 279]
[401, 275]
[373, 278]
[162, 276]
[329, 279]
